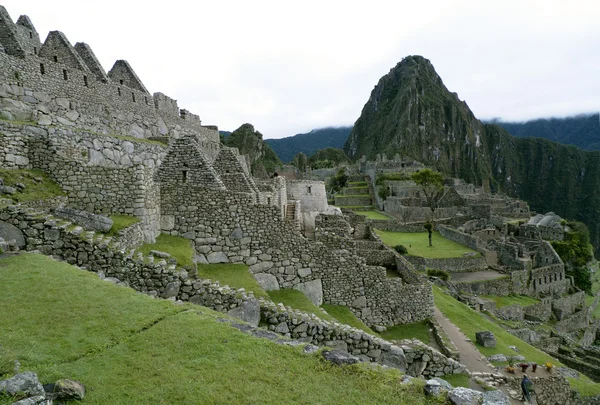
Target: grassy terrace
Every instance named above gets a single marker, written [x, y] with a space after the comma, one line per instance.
[233, 275]
[297, 300]
[509, 300]
[128, 348]
[343, 315]
[121, 222]
[373, 215]
[179, 248]
[417, 330]
[418, 244]
[38, 186]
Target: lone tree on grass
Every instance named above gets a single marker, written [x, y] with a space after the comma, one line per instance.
[432, 187]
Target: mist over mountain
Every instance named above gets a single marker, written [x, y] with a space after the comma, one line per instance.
[411, 112]
[309, 143]
[581, 130]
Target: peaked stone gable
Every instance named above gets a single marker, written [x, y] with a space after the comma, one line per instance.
[232, 172]
[9, 37]
[88, 56]
[122, 73]
[57, 48]
[186, 163]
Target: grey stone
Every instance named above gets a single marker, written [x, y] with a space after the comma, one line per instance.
[394, 358]
[69, 390]
[36, 400]
[495, 398]
[7, 190]
[313, 290]
[498, 358]
[304, 272]
[486, 339]
[282, 328]
[237, 234]
[379, 328]
[200, 258]
[267, 281]
[217, 257]
[309, 349]
[172, 289]
[433, 388]
[406, 379]
[339, 358]
[465, 396]
[443, 383]
[261, 267]
[44, 119]
[10, 232]
[248, 311]
[167, 222]
[416, 368]
[89, 221]
[338, 345]
[26, 382]
[158, 253]
[360, 302]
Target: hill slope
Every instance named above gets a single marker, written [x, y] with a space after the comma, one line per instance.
[309, 143]
[412, 113]
[250, 143]
[128, 348]
[582, 131]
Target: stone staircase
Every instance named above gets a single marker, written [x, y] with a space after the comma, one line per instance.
[290, 211]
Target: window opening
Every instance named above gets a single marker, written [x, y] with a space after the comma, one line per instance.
[133, 97]
[119, 90]
[185, 176]
[85, 82]
[121, 81]
[65, 75]
[55, 58]
[42, 69]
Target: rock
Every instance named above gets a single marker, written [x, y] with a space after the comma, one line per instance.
[237, 234]
[394, 358]
[313, 290]
[282, 328]
[87, 220]
[249, 312]
[443, 383]
[172, 289]
[339, 345]
[267, 281]
[567, 372]
[379, 328]
[309, 349]
[433, 388]
[486, 339]
[406, 379]
[200, 258]
[516, 358]
[261, 267]
[8, 190]
[10, 232]
[304, 272]
[495, 398]
[158, 253]
[217, 257]
[465, 396]
[26, 383]
[69, 390]
[44, 120]
[498, 358]
[360, 302]
[339, 358]
[416, 368]
[20, 186]
[515, 349]
[36, 400]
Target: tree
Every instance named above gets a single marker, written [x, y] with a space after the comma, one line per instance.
[301, 162]
[432, 187]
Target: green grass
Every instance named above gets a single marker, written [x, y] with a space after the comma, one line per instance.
[373, 215]
[297, 300]
[353, 184]
[338, 196]
[128, 348]
[418, 244]
[121, 222]
[417, 330]
[38, 186]
[392, 176]
[179, 248]
[233, 275]
[344, 315]
[522, 300]
[458, 380]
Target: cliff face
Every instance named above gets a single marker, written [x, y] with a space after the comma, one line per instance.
[261, 157]
[412, 113]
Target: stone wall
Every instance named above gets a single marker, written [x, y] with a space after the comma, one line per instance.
[567, 306]
[553, 390]
[501, 287]
[454, 264]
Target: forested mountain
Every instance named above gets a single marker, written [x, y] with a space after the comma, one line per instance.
[309, 143]
[412, 113]
[582, 131]
[263, 160]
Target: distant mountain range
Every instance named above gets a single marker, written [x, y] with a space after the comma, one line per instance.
[582, 131]
[309, 143]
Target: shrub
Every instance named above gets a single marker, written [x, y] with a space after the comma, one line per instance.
[383, 191]
[401, 249]
[443, 274]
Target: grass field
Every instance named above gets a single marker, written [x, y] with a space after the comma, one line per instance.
[373, 215]
[417, 330]
[128, 348]
[509, 300]
[418, 244]
[179, 248]
[38, 186]
[233, 275]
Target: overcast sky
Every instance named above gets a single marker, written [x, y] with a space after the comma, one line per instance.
[289, 67]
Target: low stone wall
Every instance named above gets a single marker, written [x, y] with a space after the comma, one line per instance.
[501, 287]
[553, 390]
[454, 264]
[130, 237]
[443, 340]
[378, 257]
[510, 313]
[573, 323]
[539, 312]
[590, 370]
[352, 201]
[567, 306]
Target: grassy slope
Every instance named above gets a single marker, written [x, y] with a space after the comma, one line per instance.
[128, 348]
[418, 244]
[179, 248]
[522, 300]
[343, 315]
[121, 222]
[373, 215]
[417, 330]
[297, 300]
[233, 275]
[38, 186]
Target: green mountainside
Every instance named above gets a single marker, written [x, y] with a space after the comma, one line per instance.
[582, 131]
[250, 142]
[412, 113]
[309, 143]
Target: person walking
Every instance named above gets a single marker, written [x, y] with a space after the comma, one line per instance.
[526, 387]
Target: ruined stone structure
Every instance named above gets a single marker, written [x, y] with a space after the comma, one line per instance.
[116, 149]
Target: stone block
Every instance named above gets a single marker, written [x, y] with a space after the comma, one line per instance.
[26, 382]
[313, 290]
[87, 220]
[486, 339]
[172, 289]
[217, 257]
[248, 311]
[267, 281]
[10, 232]
[465, 396]
[394, 358]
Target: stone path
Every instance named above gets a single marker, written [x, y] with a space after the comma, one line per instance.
[475, 276]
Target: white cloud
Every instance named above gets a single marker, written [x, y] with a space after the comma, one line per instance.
[289, 67]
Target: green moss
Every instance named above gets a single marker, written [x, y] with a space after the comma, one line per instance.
[233, 275]
[179, 248]
[344, 315]
[38, 186]
[417, 330]
[121, 222]
[458, 380]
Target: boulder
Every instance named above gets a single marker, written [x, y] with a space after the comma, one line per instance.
[339, 358]
[36, 400]
[433, 388]
[68, 390]
[172, 289]
[313, 290]
[339, 345]
[486, 339]
[26, 383]
[249, 312]
[10, 232]
[497, 358]
[495, 398]
[394, 358]
[267, 281]
[87, 220]
[7, 190]
[217, 257]
[465, 396]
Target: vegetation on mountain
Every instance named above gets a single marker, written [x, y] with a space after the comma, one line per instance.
[575, 251]
[339, 181]
[412, 113]
[327, 158]
[262, 158]
[300, 161]
[309, 143]
[582, 130]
